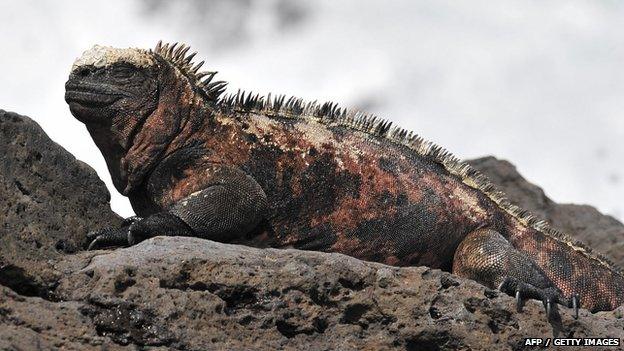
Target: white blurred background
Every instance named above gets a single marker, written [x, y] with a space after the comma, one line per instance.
[538, 83]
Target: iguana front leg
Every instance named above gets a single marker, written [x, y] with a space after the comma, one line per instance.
[229, 206]
[487, 257]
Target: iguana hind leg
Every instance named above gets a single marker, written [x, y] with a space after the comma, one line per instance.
[487, 257]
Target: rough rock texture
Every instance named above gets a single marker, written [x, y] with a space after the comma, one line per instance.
[197, 294]
[188, 293]
[48, 201]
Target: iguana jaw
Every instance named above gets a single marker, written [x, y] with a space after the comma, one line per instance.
[87, 101]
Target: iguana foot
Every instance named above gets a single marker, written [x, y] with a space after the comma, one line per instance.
[549, 296]
[136, 229]
[109, 237]
[487, 257]
[162, 223]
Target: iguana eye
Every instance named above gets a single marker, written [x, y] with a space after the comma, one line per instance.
[123, 72]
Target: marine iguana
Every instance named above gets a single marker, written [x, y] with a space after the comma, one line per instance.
[271, 171]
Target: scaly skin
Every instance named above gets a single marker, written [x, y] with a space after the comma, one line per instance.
[283, 174]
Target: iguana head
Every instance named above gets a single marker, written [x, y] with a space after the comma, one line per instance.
[107, 85]
[134, 102]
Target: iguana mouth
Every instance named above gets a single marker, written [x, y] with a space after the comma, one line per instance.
[89, 99]
[89, 96]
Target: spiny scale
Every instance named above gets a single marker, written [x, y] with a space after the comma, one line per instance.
[176, 54]
[330, 113]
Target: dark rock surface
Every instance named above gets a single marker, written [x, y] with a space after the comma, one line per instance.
[188, 293]
[48, 201]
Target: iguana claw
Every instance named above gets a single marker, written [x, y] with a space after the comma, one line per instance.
[549, 296]
[548, 306]
[575, 305]
[107, 238]
[110, 237]
[136, 229]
